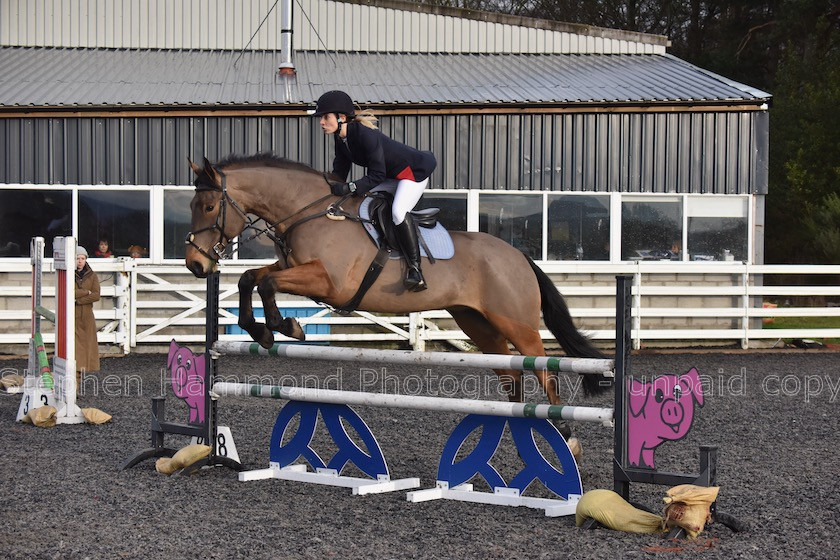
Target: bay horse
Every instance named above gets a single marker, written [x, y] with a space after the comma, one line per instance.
[493, 291]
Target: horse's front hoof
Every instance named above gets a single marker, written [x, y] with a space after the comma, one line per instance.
[262, 336]
[292, 329]
[267, 341]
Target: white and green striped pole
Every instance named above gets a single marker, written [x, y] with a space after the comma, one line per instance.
[454, 359]
[412, 402]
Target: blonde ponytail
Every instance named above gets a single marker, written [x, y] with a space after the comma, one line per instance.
[367, 118]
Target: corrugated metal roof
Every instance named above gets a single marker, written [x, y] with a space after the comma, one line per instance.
[70, 78]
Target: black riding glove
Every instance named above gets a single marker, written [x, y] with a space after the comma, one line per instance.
[343, 189]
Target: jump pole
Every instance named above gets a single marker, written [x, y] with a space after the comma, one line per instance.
[37, 356]
[451, 359]
[411, 402]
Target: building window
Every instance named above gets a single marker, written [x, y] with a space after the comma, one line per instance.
[651, 229]
[453, 209]
[176, 222]
[121, 217]
[578, 228]
[28, 213]
[717, 228]
[515, 218]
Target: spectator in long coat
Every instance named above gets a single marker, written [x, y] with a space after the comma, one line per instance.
[87, 292]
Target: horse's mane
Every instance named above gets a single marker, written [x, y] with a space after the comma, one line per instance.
[235, 161]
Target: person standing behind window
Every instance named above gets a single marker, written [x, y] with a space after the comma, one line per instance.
[87, 292]
[136, 251]
[103, 250]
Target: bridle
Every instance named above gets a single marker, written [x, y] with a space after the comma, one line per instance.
[225, 242]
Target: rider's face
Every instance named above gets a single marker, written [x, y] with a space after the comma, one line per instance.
[329, 123]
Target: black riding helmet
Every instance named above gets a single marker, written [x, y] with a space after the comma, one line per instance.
[335, 102]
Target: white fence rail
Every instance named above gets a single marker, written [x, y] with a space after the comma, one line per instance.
[146, 304]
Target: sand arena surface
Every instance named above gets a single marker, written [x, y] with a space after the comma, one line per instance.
[774, 417]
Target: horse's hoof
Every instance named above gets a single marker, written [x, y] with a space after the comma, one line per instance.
[267, 340]
[292, 329]
[575, 448]
[564, 428]
[261, 335]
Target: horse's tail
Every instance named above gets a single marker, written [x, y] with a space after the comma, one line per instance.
[559, 321]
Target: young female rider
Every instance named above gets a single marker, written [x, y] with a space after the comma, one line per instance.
[357, 140]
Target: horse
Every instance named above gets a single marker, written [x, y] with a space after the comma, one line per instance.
[494, 292]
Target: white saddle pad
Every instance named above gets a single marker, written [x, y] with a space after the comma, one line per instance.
[437, 238]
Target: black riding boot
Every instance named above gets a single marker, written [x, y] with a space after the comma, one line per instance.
[407, 235]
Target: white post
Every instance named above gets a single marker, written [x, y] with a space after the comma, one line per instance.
[745, 307]
[122, 285]
[637, 306]
[64, 363]
[131, 267]
[37, 391]
[416, 334]
[36, 256]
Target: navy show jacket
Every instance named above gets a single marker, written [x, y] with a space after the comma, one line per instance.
[382, 157]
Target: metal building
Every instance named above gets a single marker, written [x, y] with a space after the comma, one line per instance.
[578, 143]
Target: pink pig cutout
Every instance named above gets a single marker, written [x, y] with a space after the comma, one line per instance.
[188, 372]
[659, 411]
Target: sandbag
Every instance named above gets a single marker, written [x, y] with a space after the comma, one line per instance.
[165, 465]
[43, 416]
[689, 507]
[190, 454]
[95, 416]
[11, 381]
[613, 511]
[185, 457]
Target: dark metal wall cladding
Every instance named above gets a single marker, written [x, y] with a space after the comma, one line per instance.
[723, 152]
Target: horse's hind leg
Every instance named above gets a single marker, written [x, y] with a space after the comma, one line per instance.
[528, 342]
[492, 333]
[490, 341]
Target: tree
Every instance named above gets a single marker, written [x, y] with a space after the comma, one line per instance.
[790, 48]
[805, 143]
[823, 225]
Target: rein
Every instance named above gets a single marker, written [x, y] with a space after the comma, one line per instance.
[333, 211]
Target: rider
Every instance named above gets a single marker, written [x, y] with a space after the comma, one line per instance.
[357, 140]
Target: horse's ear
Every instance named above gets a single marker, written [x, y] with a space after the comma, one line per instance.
[196, 169]
[211, 172]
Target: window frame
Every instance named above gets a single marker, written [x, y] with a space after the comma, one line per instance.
[746, 202]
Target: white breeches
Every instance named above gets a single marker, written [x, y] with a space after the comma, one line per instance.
[406, 197]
